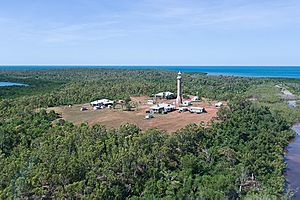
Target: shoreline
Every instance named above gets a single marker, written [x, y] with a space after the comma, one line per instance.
[292, 151]
[291, 72]
[292, 158]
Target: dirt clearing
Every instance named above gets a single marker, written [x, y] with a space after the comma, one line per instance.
[113, 118]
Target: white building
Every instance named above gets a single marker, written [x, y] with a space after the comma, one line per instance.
[165, 95]
[195, 98]
[102, 102]
[219, 104]
[158, 108]
[168, 107]
[197, 110]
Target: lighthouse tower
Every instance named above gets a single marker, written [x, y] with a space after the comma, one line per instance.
[179, 89]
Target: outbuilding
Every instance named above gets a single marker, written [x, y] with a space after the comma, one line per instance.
[219, 104]
[102, 102]
[195, 98]
[158, 108]
[168, 107]
[165, 95]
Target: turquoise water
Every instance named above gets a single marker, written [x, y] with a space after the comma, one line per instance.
[249, 71]
[11, 84]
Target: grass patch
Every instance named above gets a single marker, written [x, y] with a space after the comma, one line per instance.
[265, 93]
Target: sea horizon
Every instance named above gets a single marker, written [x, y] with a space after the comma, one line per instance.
[244, 71]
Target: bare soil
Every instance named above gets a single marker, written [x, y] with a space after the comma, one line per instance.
[113, 118]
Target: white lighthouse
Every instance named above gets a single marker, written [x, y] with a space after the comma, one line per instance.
[179, 89]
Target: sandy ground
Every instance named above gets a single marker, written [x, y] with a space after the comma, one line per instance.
[113, 118]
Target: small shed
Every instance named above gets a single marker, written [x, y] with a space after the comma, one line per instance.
[195, 98]
[219, 104]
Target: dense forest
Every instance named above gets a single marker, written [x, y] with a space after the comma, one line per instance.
[239, 157]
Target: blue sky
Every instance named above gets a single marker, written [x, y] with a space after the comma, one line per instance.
[150, 32]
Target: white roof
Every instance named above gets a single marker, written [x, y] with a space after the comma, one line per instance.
[160, 94]
[219, 104]
[156, 107]
[197, 108]
[103, 101]
[164, 93]
[162, 105]
[168, 93]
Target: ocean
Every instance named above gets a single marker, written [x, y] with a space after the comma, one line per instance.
[247, 71]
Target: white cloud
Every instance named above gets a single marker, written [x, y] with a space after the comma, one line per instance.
[155, 16]
[239, 12]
